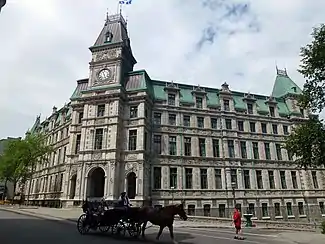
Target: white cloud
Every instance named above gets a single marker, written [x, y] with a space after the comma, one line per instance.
[44, 46]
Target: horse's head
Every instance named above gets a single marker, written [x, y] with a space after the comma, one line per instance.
[180, 211]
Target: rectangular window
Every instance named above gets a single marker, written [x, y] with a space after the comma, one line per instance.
[101, 110]
[191, 210]
[202, 147]
[267, 150]
[218, 178]
[285, 130]
[243, 149]
[214, 123]
[157, 118]
[80, 117]
[265, 212]
[215, 147]
[314, 177]
[278, 151]
[255, 150]
[231, 149]
[171, 99]
[226, 105]
[188, 178]
[157, 177]
[173, 177]
[187, 146]
[259, 179]
[207, 210]
[250, 108]
[289, 209]
[233, 177]
[252, 126]
[294, 179]
[240, 125]
[222, 210]
[157, 144]
[99, 138]
[78, 139]
[283, 179]
[200, 122]
[132, 140]
[301, 210]
[247, 182]
[271, 179]
[277, 209]
[272, 111]
[264, 128]
[204, 178]
[172, 119]
[251, 209]
[275, 129]
[187, 120]
[228, 124]
[199, 102]
[172, 145]
[321, 208]
[133, 112]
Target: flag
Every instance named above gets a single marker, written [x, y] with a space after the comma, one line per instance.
[125, 1]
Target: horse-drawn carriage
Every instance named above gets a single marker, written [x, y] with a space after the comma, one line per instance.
[107, 216]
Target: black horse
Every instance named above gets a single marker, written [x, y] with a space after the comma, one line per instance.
[163, 217]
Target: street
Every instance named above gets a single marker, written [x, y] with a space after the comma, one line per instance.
[18, 228]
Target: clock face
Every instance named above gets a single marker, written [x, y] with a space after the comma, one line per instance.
[104, 74]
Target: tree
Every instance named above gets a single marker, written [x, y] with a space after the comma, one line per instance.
[21, 157]
[9, 165]
[307, 142]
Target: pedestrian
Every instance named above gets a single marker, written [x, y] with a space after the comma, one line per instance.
[237, 222]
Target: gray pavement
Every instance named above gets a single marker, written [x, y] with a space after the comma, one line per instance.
[19, 228]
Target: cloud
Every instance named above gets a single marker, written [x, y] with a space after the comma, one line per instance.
[44, 46]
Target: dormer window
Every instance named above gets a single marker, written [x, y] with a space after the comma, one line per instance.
[250, 108]
[109, 37]
[294, 89]
[272, 111]
[171, 99]
[226, 105]
[199, 102]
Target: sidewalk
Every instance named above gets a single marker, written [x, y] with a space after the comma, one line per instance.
[71, 216]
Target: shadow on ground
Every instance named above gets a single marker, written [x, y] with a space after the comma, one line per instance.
[17, 229]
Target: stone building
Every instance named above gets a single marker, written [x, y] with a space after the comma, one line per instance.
[164, 142]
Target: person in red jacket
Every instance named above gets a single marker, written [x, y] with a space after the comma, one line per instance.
[237, 222]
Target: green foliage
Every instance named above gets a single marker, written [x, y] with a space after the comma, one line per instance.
[21, 156]
[313, 69]
[307, 143]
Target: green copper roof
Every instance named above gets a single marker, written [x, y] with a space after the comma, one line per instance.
[283, 85]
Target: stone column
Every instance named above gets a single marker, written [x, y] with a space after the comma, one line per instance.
[277, 181]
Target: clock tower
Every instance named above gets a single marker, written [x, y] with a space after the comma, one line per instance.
[111, 54]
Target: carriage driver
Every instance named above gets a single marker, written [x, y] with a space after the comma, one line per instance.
[124, 200]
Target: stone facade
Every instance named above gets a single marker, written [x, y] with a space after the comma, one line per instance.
[165, 142]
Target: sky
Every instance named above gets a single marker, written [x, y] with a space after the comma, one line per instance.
[44, 46]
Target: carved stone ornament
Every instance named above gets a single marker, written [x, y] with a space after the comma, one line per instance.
[132, 157]
[96, 156]
[105, 55]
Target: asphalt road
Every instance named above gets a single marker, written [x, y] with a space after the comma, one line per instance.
[18, 229]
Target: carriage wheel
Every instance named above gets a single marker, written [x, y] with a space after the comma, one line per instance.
[82, 225]
[104, 229]
[133, 230]
[119, 229]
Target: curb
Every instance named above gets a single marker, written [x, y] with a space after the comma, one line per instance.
[38, 216]
[70, 221]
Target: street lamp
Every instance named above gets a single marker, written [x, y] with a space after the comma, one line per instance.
[2, 3]
[172, 188]
[233, 186]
